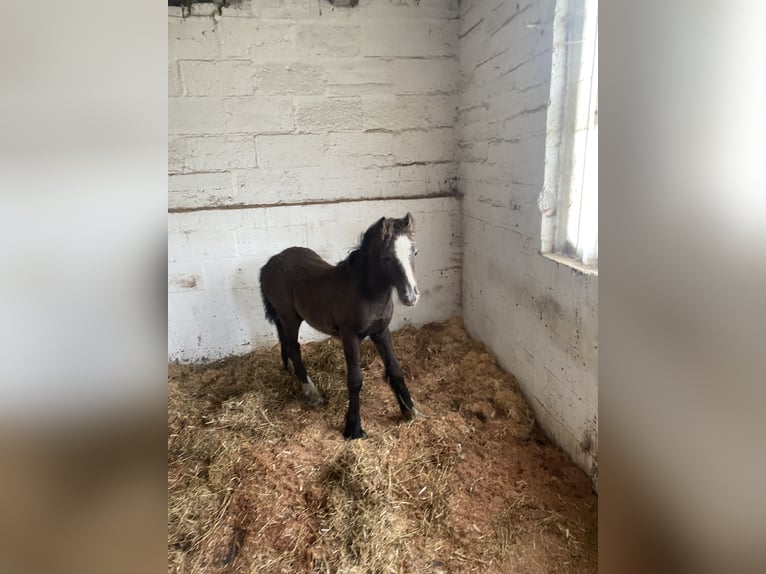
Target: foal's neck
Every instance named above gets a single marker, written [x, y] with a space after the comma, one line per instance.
[372, 281]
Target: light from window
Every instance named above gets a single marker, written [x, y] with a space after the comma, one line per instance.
[569, 201]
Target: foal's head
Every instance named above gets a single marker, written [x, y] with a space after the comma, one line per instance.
[389, 245]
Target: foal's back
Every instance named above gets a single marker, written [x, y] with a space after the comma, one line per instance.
[297, 280]
[293, 267]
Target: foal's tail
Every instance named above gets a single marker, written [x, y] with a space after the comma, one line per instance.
[271, 313]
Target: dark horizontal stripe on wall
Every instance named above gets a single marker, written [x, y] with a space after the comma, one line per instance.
[453, 193]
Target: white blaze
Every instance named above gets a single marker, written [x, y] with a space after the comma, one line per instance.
[403, 248]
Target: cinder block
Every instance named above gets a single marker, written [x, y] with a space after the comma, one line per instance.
[188, 115]
[191, 39]
[411, 9]
[263, 186]
[288, 151]
[409, 38]
[220, 153]
[270, 241]
[174, 80]
[255, 38]
[201, 245]
[204, 9]
[317, 39]
[328, 114]
[356, 76]
[219, 184]
[200, 190]
[185, 277]
[414, 76]
[285, 9]
[272, 9]
[426, 146]
[407, 112]
[259, 115]
[218, 77]
[177, 154]
[374, 149]
[290, 78]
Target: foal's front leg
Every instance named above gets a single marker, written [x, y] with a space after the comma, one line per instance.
[394, 374]
[351, 348]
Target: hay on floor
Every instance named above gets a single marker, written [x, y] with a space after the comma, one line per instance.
[258, 483]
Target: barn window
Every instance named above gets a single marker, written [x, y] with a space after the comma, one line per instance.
[569, 201]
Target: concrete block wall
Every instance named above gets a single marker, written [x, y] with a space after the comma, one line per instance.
[295, 123]
[539, 317]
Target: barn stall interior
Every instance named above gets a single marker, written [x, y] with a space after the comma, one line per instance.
[301, 123]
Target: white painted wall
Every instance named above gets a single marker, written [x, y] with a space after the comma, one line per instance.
[539, 317]
[277, 108]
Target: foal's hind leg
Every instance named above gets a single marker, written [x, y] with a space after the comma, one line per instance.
[394, 374]
[282, 344]
[292, 350]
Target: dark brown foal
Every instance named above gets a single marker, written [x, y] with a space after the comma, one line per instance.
[350, 300]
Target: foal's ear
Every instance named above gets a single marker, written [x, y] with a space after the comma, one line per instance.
[407, 223]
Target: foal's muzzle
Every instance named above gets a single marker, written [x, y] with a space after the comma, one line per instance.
[410, 296]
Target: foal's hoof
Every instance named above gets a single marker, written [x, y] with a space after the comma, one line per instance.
[354, 434]
[411, 413]
[314, 400]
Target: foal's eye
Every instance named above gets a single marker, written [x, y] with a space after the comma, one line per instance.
[414, 252]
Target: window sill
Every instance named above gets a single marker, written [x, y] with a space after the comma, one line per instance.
[573, 263]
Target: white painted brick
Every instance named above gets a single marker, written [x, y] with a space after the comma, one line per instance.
[414, 76]
[175, 87]
[355, 76]
[191, 38]
[239, 10]
[255, 38]
[200, 189]
[175, 12]
[354, 178]
[276, 9]
[259, 114]
[472, 151]
[185, 277]
[217, 77]
[424, 146]
[201, 245]
[291, 150]
[468, 20]
[235, 274]
[290, 78]
[263, 186]
[201, 185]
[270, 241]
[203, 9]
[409, 38]
[222, 220]
[196, 116]
[220, 153]
[411, 9]
[328, 114]
[374, 149]
[183, 222]
[317, 39]
[177, 154]
[407, 112]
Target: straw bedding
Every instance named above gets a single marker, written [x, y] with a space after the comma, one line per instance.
[258, 483]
